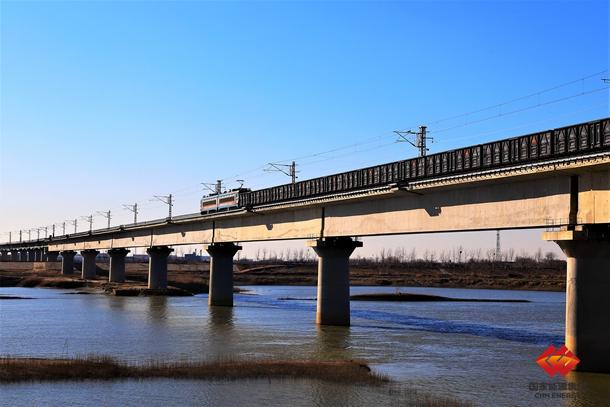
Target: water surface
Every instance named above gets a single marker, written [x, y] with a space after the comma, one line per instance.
[479, 352]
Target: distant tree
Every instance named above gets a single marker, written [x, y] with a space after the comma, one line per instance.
[550, 256]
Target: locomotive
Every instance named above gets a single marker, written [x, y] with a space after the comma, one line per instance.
[584, 138]
[222, 201]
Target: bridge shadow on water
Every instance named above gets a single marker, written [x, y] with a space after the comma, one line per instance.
[396, 321]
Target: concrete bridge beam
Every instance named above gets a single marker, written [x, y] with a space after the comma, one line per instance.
[333, 279]
[116, 273]
[221, 273]
[157, 266]
[587, 331]
[67, 262]
[89, 270]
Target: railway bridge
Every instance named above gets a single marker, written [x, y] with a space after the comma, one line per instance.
[565, 189]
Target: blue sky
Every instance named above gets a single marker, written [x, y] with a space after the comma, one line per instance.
[107, 103]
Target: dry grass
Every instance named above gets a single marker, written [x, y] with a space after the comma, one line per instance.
[107, 368]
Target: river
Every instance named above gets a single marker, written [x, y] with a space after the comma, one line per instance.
[482, 353]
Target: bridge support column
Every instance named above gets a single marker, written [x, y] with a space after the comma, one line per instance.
[221, 273]
[587, 295]
[37, 255]
[29, 255]
[4, 255]
[157, 266]
[116, 273]
[51, 257]
[14, 255]
[88, 271]
[333, 279]
[67, 262]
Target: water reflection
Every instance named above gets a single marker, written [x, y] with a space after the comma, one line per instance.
[220, 318]
[333, 343]
[116, 303]
[221, 335]
[591, 389]
[157, 309]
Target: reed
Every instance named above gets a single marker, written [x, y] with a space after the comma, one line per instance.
[107, 368]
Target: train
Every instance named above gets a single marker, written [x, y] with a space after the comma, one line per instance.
[218, 202]
[588, 137]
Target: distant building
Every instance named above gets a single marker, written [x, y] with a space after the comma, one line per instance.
[196, 258]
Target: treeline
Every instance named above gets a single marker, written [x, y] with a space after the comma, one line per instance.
[402, 257]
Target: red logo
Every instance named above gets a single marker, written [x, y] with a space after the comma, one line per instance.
[554, 360]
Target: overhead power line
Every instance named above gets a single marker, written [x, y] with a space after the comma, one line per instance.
[469, 123]
[133, 208]
[517, 99]
[166, 199]
[420, 139]
[287, 169]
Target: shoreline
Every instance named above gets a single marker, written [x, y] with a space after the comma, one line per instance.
[190, 279]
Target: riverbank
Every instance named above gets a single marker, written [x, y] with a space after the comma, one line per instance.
[193, 278]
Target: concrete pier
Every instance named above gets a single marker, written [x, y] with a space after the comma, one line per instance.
[14, 255]
[23, 255]
[88, 271]
[333, 279]
[116, 271]
[587, 332]
[157, 266]
[37, 255]
[67, 262]
[221, 273]
[51, 257]
[4, 256]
